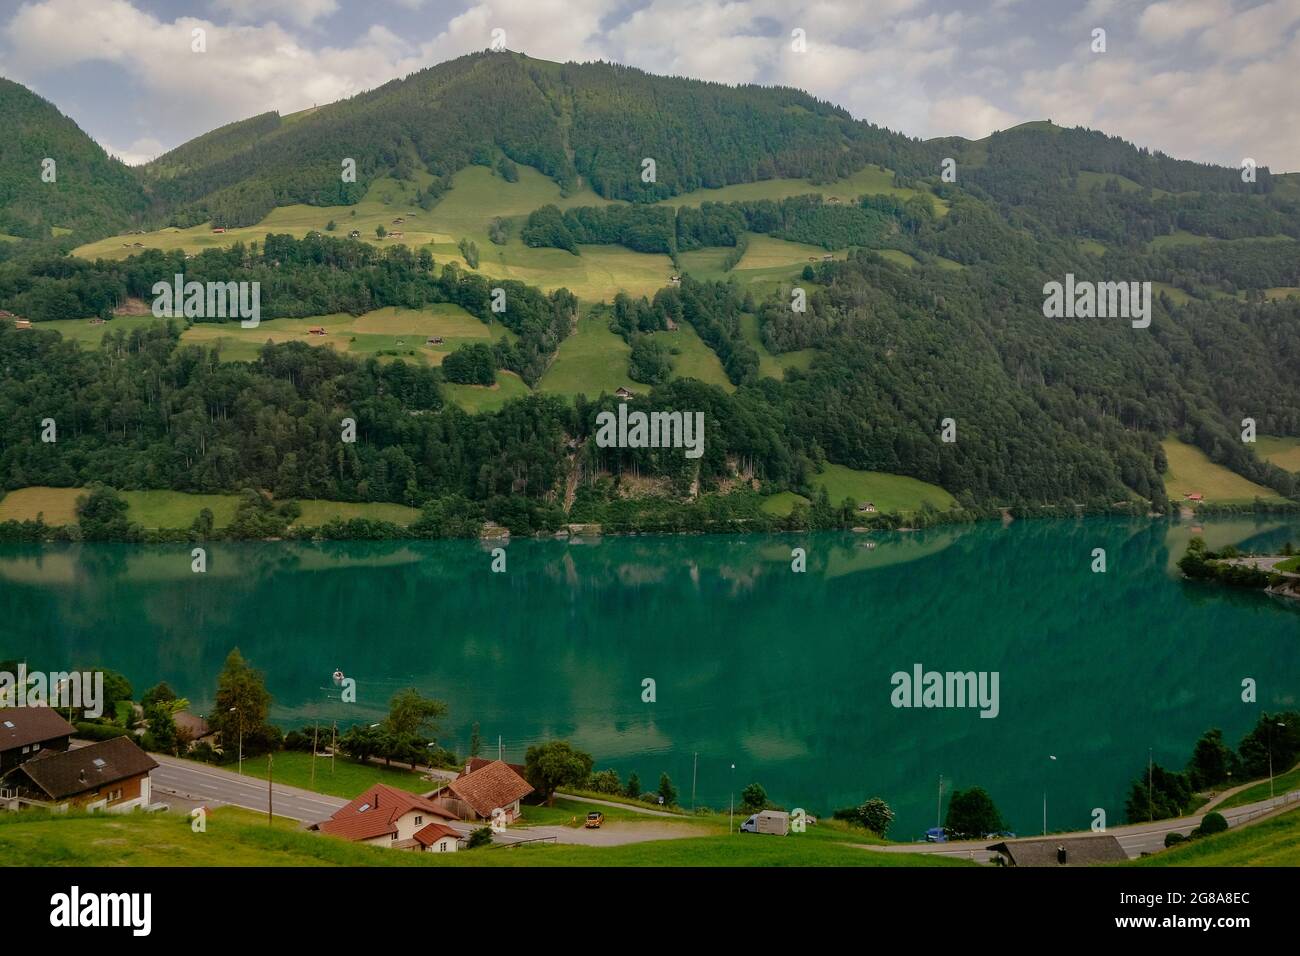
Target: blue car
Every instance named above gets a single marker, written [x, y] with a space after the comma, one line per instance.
[936, 835]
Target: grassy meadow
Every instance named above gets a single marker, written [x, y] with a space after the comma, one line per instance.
[1191, 471]
[178, 509]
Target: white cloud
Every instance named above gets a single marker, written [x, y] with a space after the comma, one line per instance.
[1172, 20]
[970, 116]
[304, 12]
[138, 153]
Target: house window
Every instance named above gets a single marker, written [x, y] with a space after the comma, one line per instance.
[419, 820]
[442, 847]
[114, 795]
[393, 835]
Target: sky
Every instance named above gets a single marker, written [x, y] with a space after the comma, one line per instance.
[1210, 80]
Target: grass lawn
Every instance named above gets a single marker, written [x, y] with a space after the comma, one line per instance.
[240, 838]
[591, 360]
[178, 509]
[898, 258]
[57, 505]
[1176, 295]
[1283, 452]
[233, 837]
[315, 512]
[887, 492]
[694, 358]
[1274, 842]
[387, 333]
[477, 197]
[782, 503]
[347, 779]
[1092, 247]
[1282, 783]
[870, 180]
[90, 336]
[1190, 470]
[573, 813]
[487, 398]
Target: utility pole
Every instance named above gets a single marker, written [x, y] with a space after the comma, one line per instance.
[1151, 815]
[270, 797]
[334, 731]
[499, 747]
[694, 770]
[938, 807]
[315, 735]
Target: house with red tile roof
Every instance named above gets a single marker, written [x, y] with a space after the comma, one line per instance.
[387, 816]
[482, 790]
[437, 838]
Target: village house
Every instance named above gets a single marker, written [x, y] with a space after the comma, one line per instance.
[386, 816]
[22, 323]
[867, 507]
[479, 792]
[433, 340]
[1194, 496]
[398, 221]
[623, 392]
[6, 315]
[194, 730]
[110, 775]
[354, 234]
[1060, 851]
[316, 330]
[828, 257]
[674, 280]
[672, 326]
[26, 732]
[397, 235]
[216, 229]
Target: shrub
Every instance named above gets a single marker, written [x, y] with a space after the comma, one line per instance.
[1213, 823]
[480, 837]
[90, 731]
[1173, 838]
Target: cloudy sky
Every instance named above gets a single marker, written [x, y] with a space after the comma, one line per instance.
[1213, 80]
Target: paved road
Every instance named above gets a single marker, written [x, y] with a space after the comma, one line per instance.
[200, 783]
[214, 786]
[1136, 838]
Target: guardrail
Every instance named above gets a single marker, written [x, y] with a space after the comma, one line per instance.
[514, 843]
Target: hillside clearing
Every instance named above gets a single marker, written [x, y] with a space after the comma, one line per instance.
[1192, 472]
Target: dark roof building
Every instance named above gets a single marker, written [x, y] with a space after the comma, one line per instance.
[1061, 851]
[27, 731]
[110, 771]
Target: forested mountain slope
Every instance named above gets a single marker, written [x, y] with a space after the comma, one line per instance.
[85, 190]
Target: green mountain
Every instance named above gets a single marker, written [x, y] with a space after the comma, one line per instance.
[595, 120]
[90, 193]
[924, 302]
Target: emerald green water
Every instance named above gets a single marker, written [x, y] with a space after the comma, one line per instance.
[787, 675]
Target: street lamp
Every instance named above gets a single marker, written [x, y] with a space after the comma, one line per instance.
[1270, 758]
[1049, 757]
[240, 713]
[731, 820]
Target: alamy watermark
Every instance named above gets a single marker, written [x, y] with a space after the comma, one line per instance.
[651, 430]
[1098, 300]
[922, 688]
[83, 690]
[209, 300]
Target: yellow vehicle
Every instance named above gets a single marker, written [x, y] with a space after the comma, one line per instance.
[594, 819]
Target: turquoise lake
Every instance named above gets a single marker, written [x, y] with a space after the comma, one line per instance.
[786, 675]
